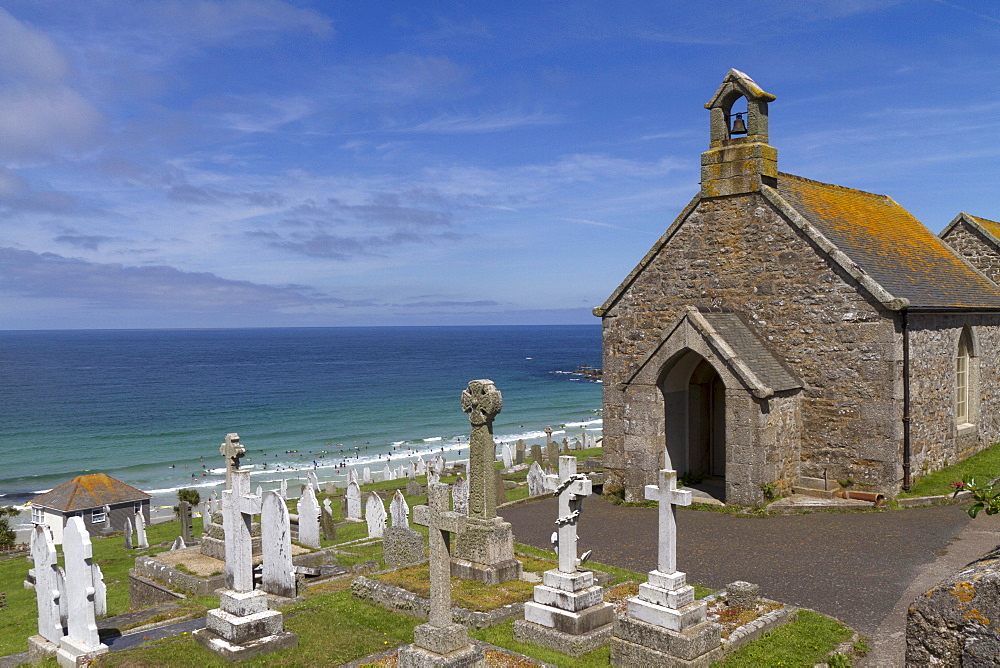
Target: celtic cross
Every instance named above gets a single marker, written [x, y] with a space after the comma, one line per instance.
[482, 401]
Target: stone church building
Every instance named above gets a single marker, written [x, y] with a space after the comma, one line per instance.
[785, 332]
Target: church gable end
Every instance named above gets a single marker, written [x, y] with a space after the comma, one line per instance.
[977, 240]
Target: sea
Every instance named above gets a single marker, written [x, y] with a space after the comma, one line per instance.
[151, 407]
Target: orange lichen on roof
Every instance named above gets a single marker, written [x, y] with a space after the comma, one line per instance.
[990, 226]
[89, 491]
[889, 244]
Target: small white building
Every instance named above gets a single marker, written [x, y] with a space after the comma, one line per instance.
[86, 496]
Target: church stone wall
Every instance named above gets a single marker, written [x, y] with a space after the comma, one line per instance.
[972, 246]
[738, 253]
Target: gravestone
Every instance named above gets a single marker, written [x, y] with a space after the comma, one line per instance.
[433, 472]
[260, 491]
[81, 640]
[308, 509]
[442, 464]
[536, 453]
[375, 515]
[352, 474]
[501, 491]
[128, 534]
[312, 481]
[440, 641]
[507, 456]
[399, 510]
[353, 497]
[100, 591]
[519, 451]
[575, 445]
[548, 435]
[366, 475]
[278, 573]
[326, 522]
[421, 465]
[536, 480]
[178, 544]
[242, 627]
[460, 496]
[283, 490]
[330, 487]
[232, 451]
[411, 471]
[386, 472]
[413, 488]
[568, 612]
[140, 530]
[48, 590]
[552, 453]
[485, 551]
[187, 526]
[107, 519]
[663, 624]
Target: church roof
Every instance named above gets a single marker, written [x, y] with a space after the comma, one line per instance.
[89, 491]
[990, 229]
[886, 242]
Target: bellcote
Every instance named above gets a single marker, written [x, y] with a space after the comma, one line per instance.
[739, 159]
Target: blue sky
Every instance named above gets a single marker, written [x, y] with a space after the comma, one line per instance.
[241, 163]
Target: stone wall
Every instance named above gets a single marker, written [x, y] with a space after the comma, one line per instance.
[975, 248]
[957, 623]
[739, 253]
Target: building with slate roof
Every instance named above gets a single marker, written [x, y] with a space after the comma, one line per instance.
[787, 334]
[103, 502]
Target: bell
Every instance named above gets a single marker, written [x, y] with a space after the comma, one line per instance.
[739, 127]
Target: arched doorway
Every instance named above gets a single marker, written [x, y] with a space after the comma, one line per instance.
[694, 399]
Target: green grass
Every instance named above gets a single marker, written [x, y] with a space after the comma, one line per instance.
[983, 466]
[804, 642]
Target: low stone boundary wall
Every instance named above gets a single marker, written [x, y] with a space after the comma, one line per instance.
[753, 630]
[143, 592]
[397, 599]
[957, 623]
[150, 568]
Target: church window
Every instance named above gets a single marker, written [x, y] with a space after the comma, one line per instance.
[962, 379]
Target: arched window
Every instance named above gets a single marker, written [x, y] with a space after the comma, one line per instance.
[962, 379]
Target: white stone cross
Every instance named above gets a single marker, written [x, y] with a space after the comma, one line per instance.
[571, 488]
[440, 523]
[668, 496]
[232, 450]
[238, 509]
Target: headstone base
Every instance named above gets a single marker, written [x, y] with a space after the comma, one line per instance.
[72, 654]
[636, 643]
[401, 546]
[666, 600]
[235, 652]
[484, 552]
[489, 574]
[412, 656]
[568, 643]
[40, 648]
[243, 627]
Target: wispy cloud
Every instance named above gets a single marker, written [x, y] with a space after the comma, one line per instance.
[480, 123]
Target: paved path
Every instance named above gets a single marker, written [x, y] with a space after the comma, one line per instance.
[857, 567]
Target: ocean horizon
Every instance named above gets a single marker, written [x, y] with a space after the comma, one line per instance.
[151, 407]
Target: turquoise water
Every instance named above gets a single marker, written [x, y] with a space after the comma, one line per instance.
[151, 407]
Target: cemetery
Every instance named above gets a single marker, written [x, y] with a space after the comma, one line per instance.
[418, 567]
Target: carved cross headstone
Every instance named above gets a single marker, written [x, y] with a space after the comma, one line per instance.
[238, 509]
[548, 435]
[278, 576]
[399, 511]
[232, 451]
[440, 523]
[47, 585]
[536, 480]
[187, 527]
[507, 455]
[140, 530]
[669, 497]
[308, 509]
[375, 516]
[572, 488]
[460, 496]
[482, 401]
[81, 627]
[353, 496]
[107, 518]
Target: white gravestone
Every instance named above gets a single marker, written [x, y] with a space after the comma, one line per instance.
[399, 511]
[81, 637]
[411, 471]
[140, 530]
[283, 490]
[278, 576]
[536, 480]
[442, 464]
[508, 456]
[375, 516]
[440, 641]
[353, 495]
[366, 475]
[433, 474]
[460, 496]
[313, 481]
[178, 544]
[352, 474]
[128, 533]
[47, 585]
[386, 472]
[100, 592]
[421, 465]
[308, 509]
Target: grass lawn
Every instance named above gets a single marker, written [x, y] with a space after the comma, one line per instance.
[983, 466]
[803, 642]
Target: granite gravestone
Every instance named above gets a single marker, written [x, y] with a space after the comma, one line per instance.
[401, 544]
[519, 451]
[187, 526]
[326, 523]
[460, 496]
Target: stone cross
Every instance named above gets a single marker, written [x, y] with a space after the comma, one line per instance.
[187, 528]
[107, 518]
[78, 552]
[375, 516]
[238, 509]
[460, 496]
[140, 530]
[440, 522]
[572, 488]
[668, 496]
[548, 435]
[353, 496]
[308, 509]
[399, 511]
[232, 451]
[278, 576]
[48, 588]
[482, 401]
